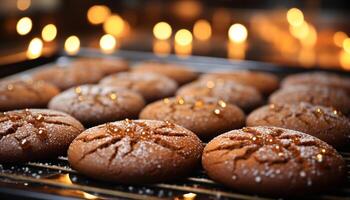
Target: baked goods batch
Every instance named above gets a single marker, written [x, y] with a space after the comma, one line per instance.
[149, 122]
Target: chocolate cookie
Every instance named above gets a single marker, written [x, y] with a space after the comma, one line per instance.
[264, 82]
[151, 86]
[318, 78]
[65, 77]
[178, 72]
[317, 95]
[94, 104]
[245, 97]
[324, 123]
[105, 65]
[17, 94]
[205, 116]
[273, 161]
[34, 134]
[139, 151]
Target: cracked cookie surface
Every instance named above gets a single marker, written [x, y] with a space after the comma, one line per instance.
[18, 94]
[205, 116]
[33, 134]
[317, 95]
[135, 151]
[322, 122]
[318, 78]
[151, 86]
[105, 65]
[243, 96]
[262, 81]
[95, 104]
[273, 161]
[178, 72]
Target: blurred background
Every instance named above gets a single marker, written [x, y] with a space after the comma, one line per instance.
[309, 33]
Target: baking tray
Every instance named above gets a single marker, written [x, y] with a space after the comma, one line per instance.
[54, 179]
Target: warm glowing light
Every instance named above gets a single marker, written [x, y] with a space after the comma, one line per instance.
[237, 33]
[35, 48]
[189, 196]
[49, 33]
[295, 17]
[98, 14]
[72, 45]
[202, 30]
[344, 59]
[108, 43]
[339, 37]
[24, 26]
[300, 32]
[162, 31]
[23, 4]
[183, 51]
[311, 37]
[307, 57]
[114, 25]
[161, 47]
[183, 37]
[346, 45]
[236, 51]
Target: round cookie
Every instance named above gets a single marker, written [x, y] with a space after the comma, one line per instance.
[178, 72]
[324, 123]
[95, 104]
[264, 82]
[151, 86]
[205, 116]
[65, 77]
[318, 78]
[273, 161]
[317, 95]
[17, 94]
[106, 65]
[34, 134]
[139, 151]
[245, 97]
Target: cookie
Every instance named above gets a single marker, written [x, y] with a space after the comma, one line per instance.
[151, 86]
[34, 134]
[318, 78]
[139, 151]
[95, 104]
[65, 77]
[245, 97]
[324, 123]
[178, 72]
[17, 94]
[205, 116]
[106, 65]
[264, 82]
[273, 161]
[317, 95]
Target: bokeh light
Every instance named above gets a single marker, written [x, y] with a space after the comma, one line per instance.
[72, 45]
[24, 26]
[295, 17]
[49, 32]
[35, 48]
[183, 37]
[108, 43]
[339, 37]
[202, 30]
[237, 33]
[98, 14]
[114, 25]
[162, 31]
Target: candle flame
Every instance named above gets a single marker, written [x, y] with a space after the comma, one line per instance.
[202, 30]
[98, 14]
[339, 37]
[23, 4]
[183, 37]
[108, 43]
[49, 33]
[295, 17]
[114, 25]
[238, 33]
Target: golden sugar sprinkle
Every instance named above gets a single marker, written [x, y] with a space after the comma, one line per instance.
[77, 90]
[9, 87]
[181, 101]
[217, 111]
[113, 96]
[40, 117]
[319, 157]
[199, 103]
[222, 104]
[166, 100]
